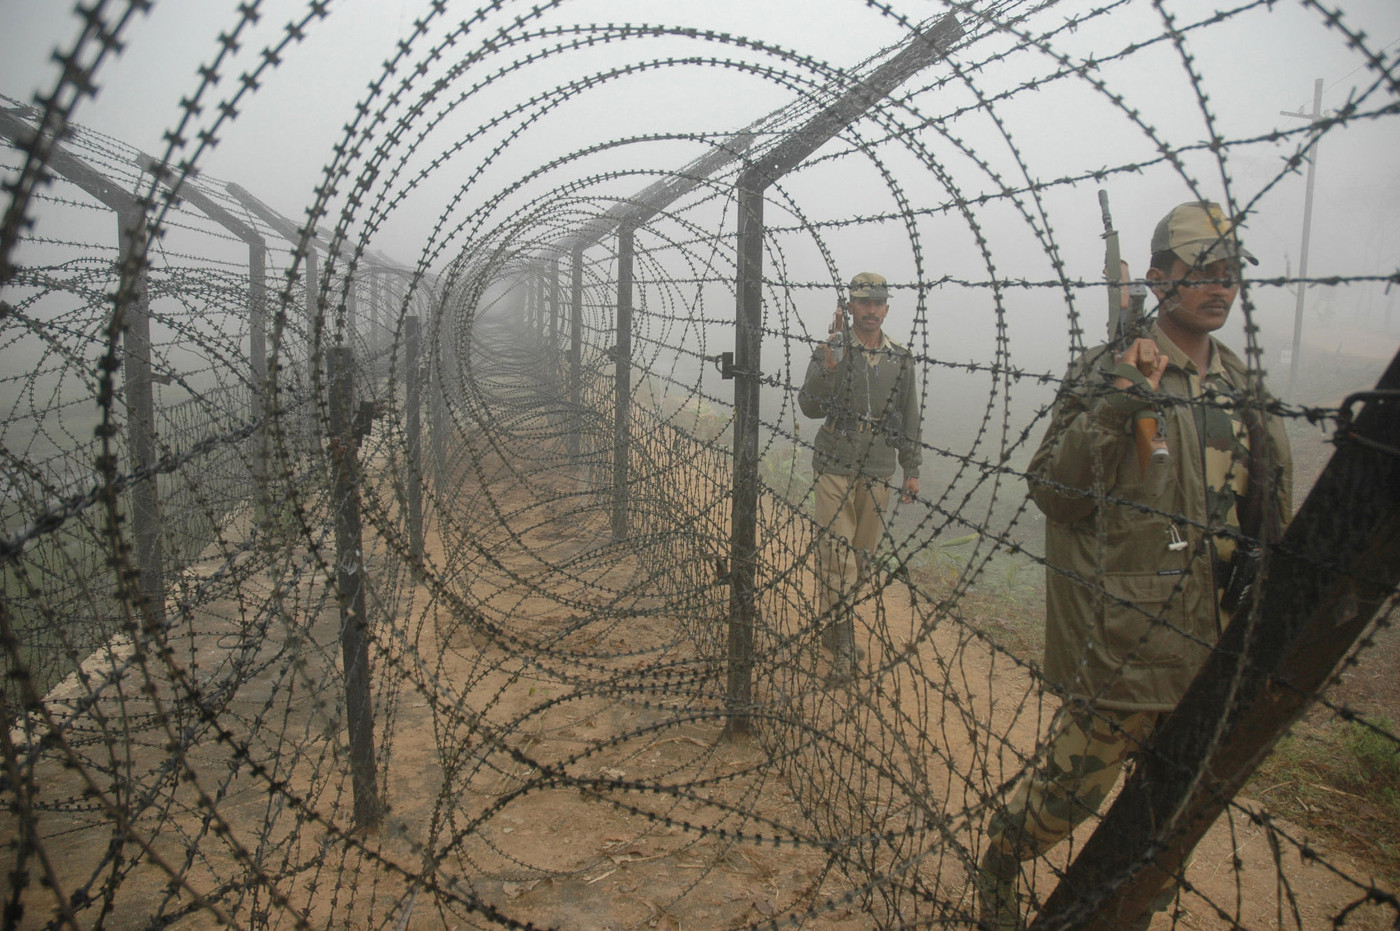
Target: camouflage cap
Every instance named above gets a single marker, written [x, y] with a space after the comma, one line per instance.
[1198, 232]
[871, 285]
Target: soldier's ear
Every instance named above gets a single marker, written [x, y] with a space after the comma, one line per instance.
[1155, 277]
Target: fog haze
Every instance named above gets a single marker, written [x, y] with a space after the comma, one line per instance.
[974, 190]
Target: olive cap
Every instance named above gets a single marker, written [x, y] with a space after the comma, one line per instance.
[1199, 233]
[871, 285]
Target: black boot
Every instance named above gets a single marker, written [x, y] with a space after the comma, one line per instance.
[999, 907]
[839, 636]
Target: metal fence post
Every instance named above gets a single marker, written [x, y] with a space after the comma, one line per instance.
[576, 354]
[257, 313]
[537, 302]
[305, 241]
[437, 408]
[141, 420]
[352, 311]
[257, 352]
[921, 51]
[347, 426]
[748, 350]
[554, 308]
[622, 368]
[312, 363]
[377, 336]
[412, 430]
[133, 321]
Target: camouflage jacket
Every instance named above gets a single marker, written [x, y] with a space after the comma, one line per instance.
[1131, 590]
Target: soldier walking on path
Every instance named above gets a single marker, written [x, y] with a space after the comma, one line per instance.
[863, 385]
[1143, 571]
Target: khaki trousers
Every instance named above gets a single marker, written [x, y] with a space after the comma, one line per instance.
[850, 514]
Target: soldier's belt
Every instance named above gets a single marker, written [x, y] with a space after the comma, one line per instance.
[857, 425]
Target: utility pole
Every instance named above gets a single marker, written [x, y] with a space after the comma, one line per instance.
[1307, 228]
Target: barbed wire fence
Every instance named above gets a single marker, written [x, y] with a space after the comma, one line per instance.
[468, 581]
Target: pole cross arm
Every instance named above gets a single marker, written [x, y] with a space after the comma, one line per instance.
[1337, 564]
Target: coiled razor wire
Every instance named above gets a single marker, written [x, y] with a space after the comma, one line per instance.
[541, 584]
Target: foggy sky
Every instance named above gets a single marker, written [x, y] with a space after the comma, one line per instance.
[1253, 66]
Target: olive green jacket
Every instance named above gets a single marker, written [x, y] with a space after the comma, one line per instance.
[1129, 619]
[871, 411]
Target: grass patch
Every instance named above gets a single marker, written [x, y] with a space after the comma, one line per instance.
[1341, 781]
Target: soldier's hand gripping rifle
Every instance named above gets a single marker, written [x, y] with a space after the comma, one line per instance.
[1125, 326]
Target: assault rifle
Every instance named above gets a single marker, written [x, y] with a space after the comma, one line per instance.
[1124, 316]
[1125, 324]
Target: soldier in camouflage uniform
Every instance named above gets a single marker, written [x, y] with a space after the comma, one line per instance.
[1141, 576]
[863, 385]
